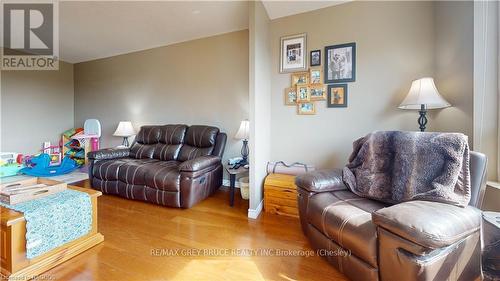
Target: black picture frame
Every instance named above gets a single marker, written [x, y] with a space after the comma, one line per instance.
[329, 100]
[311, 58]
[329, 74]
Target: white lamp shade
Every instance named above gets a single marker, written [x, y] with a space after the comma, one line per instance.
[244, 130]
[423, 91]
[125, 129]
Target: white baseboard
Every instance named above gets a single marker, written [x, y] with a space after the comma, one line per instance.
[228, 183]
[254, 213]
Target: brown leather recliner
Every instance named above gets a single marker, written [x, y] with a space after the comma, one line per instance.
[170, 165]
[370, 240]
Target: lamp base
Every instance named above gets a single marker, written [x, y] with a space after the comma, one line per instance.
[125, 142]
[422, 120]
[244, 153]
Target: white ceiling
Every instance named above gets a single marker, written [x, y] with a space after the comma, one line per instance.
[277, 9]
[91, 30]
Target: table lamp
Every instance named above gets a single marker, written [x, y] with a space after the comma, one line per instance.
[243, 134]
[423, 95]
[125, 130]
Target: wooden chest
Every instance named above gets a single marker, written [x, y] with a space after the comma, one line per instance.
[280, 195]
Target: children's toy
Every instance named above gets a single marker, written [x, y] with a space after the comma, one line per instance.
[41, 166]
[54, 151]
[10, 164]
[78, 142]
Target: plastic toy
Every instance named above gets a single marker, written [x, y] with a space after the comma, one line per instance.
[10, 164]
[41, 166]
[77, 142]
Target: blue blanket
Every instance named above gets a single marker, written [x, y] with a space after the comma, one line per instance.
[54, 220]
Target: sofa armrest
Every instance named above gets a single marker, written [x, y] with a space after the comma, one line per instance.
[321, 181]
[429, 224]
[108, 153]
[199, 163]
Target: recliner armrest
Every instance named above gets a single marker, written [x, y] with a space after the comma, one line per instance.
[199, 163]
[429, 224]
[108, 153]
[321, 181]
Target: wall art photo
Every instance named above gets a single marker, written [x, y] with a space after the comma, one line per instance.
[315, 58]
[340, 63]
[307, 108]
[291, 96]
[293, 53]
[337, 95]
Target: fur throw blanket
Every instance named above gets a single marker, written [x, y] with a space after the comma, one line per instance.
[395, 166]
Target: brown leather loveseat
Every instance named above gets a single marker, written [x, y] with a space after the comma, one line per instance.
[170, 165]
[370, 240]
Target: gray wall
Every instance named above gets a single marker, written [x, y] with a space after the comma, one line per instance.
[395, 45]
[36, 106]
[260, 102]
[454, 60]
[202, 81]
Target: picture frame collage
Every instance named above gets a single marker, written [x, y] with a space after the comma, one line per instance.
[316, 83]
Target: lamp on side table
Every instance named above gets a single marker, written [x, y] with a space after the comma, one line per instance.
[125, 130]
[243, 134]
[423, 95]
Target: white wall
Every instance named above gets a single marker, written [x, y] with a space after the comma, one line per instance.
[486, 83]
[260, 100]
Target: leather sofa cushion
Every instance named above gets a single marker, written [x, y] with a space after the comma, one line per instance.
[148, 135]
[172, 134]
[163, 175]
[346, 219]
[429, 224]
[190, 152]
[321, 180]
[199, 141]
[142, 151]
[170, 142]
[134, 171]
[201, 136]
[108, 169]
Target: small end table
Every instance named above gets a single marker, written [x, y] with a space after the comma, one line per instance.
[491, 246]
[232, 181]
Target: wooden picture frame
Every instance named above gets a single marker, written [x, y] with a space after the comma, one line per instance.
[306, 108]
[337, 95]
[300, 78]
[303, 93]
[340, 63]
[315, 58]
[290, 96]
[293, 53]
[316, 75]
[318, 92]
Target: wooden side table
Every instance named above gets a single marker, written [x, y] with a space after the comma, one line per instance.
[232, 181]
[280, 195]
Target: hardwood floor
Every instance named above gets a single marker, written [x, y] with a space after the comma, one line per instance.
[141, 239]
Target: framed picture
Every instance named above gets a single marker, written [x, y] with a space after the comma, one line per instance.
[300, 78]
[307, 108]
[318, 92]
[315, 76]
[290, 96]
[293, 53]
[337, 95]
[340, 63]
[303, 93]
[315, 58]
